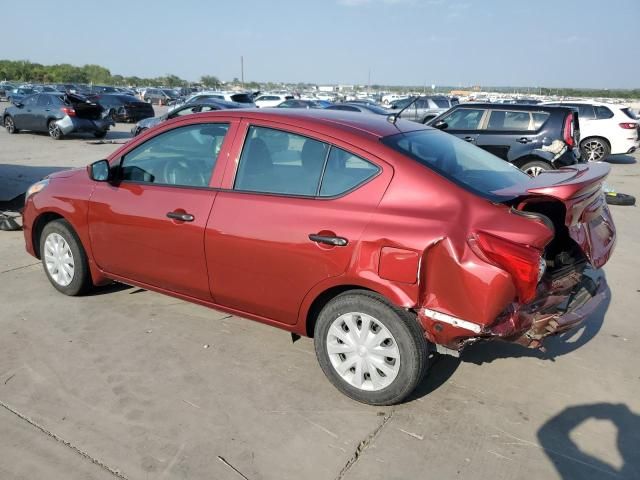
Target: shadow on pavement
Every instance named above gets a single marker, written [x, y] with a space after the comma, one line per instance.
[108, 288]
[572, 462]
[621, 159]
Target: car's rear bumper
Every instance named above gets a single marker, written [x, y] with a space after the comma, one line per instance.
[69, 124]
[626, 145]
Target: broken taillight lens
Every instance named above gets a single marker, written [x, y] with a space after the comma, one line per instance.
[567, 131]
[69, 111]
[525, 264]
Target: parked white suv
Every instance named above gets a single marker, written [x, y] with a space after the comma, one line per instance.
[605, 128]
[236, 97]
[271, 99]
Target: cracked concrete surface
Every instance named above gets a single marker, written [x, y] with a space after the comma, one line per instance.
[120, 381]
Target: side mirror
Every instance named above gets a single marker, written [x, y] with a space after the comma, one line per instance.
[440, 125]
[99, 171]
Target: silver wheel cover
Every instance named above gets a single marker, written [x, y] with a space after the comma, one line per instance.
[363, 351]
[58, 259]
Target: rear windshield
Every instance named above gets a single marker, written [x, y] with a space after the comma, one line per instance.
[441, 102]
[376, 109]
[241, 98]
[630, 113]
[471, 167]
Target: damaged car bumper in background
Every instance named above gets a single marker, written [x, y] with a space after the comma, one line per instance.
[75, 124]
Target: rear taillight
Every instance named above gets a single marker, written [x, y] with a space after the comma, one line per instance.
[524, 264]
[628, 125]
[69, 111]
[567, 131]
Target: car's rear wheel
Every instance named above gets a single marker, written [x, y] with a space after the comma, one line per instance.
[54, 130]
[595, 149]
[368, 349]
[10, 125]
[535, 167]
[64, 259]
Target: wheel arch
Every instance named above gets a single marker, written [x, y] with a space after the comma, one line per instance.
[591, 137]
[38, 226]
[530, 157]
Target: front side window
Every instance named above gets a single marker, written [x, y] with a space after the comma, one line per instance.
[30, 101]
[464, 119]
[184, 156]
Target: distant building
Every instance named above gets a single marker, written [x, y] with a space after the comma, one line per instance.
[326, 88]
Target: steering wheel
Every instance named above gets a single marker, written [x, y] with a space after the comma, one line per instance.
[181, 172]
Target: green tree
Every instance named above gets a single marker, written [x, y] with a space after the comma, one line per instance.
[210, 81]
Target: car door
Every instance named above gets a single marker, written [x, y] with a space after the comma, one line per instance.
[41, 112]
[23, 117]
[508, 134]
[463, 122]
[147, 225]
[275, 232]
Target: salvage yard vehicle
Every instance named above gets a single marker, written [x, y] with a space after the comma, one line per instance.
[236, 97]
[271, 99]
[124, 108]
[423, 109]
[204, 105]
[380, 238]
[534, 138]
[359, 107]
[606, 129]
[58, 114]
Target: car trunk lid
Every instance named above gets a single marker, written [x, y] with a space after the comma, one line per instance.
[587, 217]
[83, 107]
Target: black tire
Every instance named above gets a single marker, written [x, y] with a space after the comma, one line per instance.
[405, 330]
[114, 116]
[81, 278]
[10, 125]
[614, 198]
[594, 149]
[534, 167]
[100, 134]
[54, 130]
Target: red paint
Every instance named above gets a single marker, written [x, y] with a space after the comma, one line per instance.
[408, 232]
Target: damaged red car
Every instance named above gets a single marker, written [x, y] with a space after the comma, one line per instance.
[381, 239]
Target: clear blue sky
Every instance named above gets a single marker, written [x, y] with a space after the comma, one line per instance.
[553, 43]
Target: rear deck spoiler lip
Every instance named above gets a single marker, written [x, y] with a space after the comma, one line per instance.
[574, 181]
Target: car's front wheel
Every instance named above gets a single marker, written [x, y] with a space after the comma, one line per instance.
[10, 125]
[370, 350]
[64, 259]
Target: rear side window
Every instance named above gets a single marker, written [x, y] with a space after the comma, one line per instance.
[274, 161]
[183, 156]
[441, 102]
[603, 112]
[44, 100]
[539, 118]
[345, 171]
[464, 119]
[509, 120]
[585, 111]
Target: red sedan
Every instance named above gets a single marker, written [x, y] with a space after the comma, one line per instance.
[379, 239]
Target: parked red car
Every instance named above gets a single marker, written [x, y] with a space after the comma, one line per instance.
[378, 239]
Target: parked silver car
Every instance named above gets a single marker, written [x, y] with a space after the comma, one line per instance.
[424, 108]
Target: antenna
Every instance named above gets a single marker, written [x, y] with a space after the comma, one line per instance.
[393, 118]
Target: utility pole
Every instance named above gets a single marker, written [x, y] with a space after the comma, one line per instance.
[369, 83]
[242, 71]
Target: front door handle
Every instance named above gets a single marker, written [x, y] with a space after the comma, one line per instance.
[524, 140]
[469, 139]
[183, 217]
[329, 240]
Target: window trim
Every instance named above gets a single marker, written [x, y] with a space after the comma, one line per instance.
[331, 145]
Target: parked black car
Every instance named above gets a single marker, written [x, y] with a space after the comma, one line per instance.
[205, 105]
[124, 108]
[57, 113]
[360, 107]
[532, 137]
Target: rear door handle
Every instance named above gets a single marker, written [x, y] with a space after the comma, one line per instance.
[469, 139]
[333, 241]
[524, 140]
[183, 217]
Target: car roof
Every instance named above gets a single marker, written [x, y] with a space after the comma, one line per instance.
[511, 106]
[589, 102]
[377, 126]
